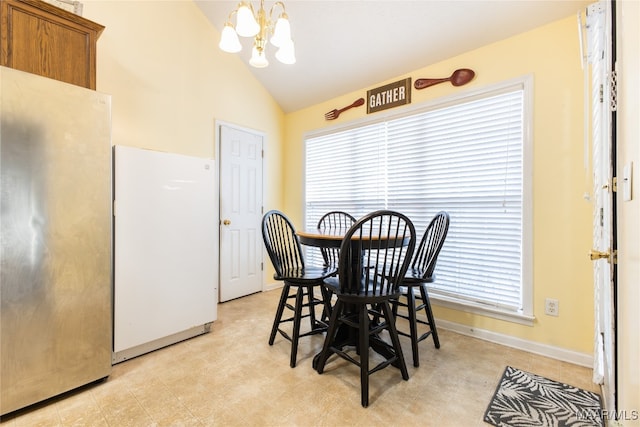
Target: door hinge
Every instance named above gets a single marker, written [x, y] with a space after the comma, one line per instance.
[262, 266]
[601, 217]
[613, 90]
[601, 94]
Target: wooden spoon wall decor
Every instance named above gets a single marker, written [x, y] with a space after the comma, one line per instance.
[459, 77]
[333, 114]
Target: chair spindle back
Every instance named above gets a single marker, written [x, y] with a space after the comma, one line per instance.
[426, 255]
[282, 243]
[334, 220]
[375, 254]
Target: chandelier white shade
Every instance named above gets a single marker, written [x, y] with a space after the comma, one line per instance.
[282, 32]
[247, 26]
[286, 54]
[229, 41]
[259, 26]
[258, 58]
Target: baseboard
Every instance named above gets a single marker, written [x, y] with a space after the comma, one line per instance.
[272, 286]
[557, 353]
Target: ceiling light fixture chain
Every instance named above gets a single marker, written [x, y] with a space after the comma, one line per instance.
[259, 26]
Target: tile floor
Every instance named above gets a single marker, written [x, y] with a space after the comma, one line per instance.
[232, 377]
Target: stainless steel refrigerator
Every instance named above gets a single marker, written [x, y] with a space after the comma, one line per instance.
[55, 238]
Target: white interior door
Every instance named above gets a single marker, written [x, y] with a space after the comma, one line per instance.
[600, 52]
[240, 212]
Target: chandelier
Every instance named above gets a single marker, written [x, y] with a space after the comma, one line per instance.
[259, 26]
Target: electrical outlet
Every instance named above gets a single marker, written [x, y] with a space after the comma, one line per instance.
[551, 307]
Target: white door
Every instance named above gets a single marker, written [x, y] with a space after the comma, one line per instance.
[602, 107]
[240, 212]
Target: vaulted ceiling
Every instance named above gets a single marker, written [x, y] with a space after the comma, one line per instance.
[342, 46]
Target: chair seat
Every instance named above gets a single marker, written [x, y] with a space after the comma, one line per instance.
[415, 276]
[306, 275]
[360, 296]
[333, 283]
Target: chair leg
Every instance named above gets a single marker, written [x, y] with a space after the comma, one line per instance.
[427, 308]
[413, 326]
[395, 339]
[394, 306]
[279, 311]
[312, 308]
[364, 354]
[327, 294]
[297, 317]
[329, 338]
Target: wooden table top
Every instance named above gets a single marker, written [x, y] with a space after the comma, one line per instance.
[323, 238]
[332, 237]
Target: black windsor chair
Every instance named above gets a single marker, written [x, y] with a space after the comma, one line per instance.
[287, 258]
[336, 220]
[374, 257]
[421, 272]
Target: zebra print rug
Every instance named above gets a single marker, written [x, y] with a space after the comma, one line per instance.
[523, 399]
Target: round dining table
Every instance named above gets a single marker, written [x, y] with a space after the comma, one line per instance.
[322, 238]
[332, 238]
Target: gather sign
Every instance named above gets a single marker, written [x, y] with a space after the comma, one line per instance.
[389, 96]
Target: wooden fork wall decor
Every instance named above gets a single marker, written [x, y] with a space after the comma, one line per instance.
[333, 114]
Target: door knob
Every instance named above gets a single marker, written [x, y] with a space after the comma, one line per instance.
[596, 255]
[226, 222]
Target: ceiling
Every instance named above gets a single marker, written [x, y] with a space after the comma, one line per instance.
[343, 46]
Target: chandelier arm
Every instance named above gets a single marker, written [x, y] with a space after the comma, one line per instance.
[248, 3]
[278, 3]
[233, 12]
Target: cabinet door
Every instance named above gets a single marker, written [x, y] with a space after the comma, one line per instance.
[43, 39]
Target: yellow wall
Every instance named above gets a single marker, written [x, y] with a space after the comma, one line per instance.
[168, 80]
[561, 216]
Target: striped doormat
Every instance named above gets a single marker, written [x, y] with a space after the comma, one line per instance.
[523, 399]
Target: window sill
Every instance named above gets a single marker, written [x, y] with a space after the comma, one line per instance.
[481, 309]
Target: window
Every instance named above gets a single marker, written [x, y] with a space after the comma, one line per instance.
[468, 156]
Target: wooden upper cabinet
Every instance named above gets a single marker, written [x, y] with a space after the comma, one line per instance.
[40, 38]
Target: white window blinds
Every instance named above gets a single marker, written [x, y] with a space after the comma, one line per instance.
[465, 158]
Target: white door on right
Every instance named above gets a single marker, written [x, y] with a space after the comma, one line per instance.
[240, 212]
[602, 107]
